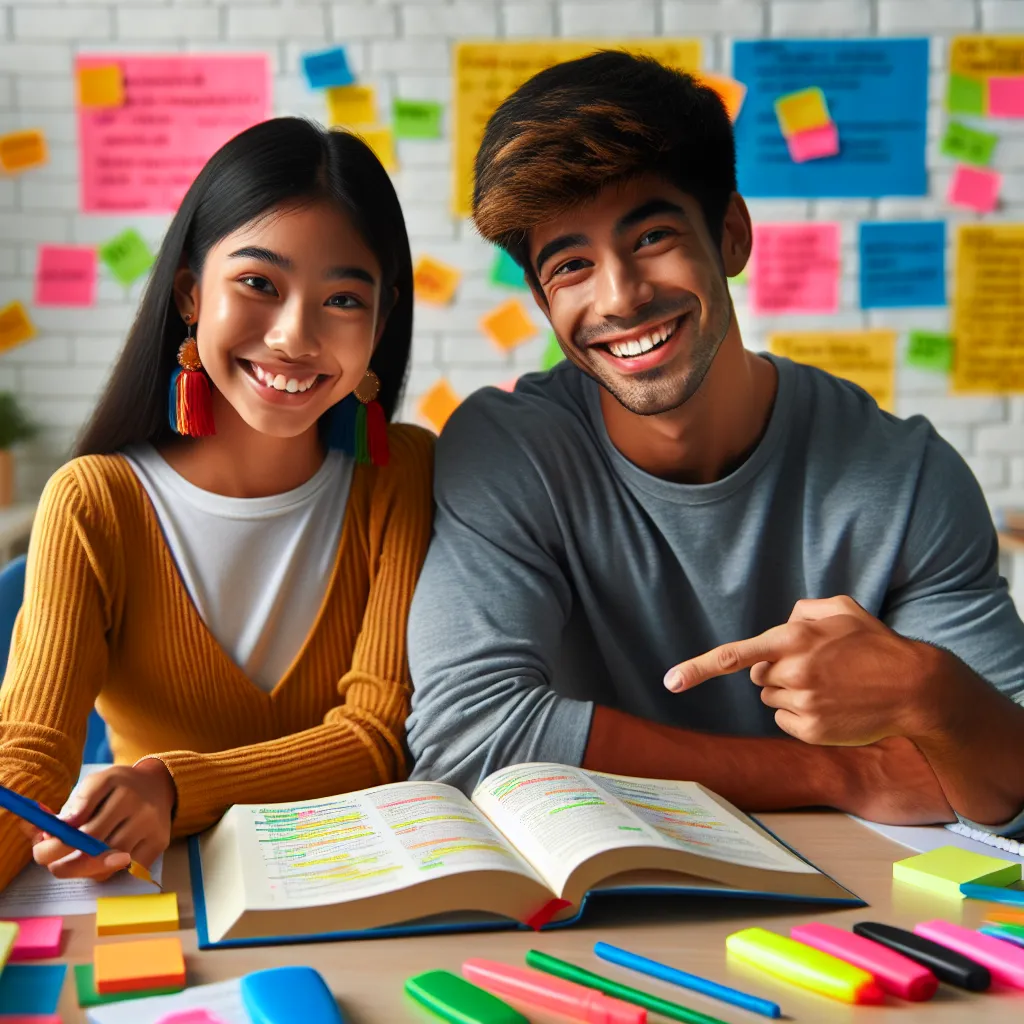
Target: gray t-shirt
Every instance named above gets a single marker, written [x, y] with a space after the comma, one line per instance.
[561, 575]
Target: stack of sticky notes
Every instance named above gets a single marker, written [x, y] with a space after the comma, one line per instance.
[126, 915]
[1007, 925]
[807, 125]
[944, 870]
[38, 938]
[142, 966]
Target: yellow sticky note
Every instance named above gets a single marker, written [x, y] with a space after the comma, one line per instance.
[15, 326]
[382, 142]
[434, 282]
[801, 110]
[126, 915]
[21, 150]
[729, 91]
[101, 86]
[438, 404]
[8, 936]
[944, 870]
[352, 104]
[508, 325]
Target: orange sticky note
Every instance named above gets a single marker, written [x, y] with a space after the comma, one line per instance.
[438, 404]
[138, 966]
[101, 86]
[434, 281]
[801, 110]
[125, 915]
[352, 104]
[382, 142]
[508, 325]
[21, 150]
[15, 326]
[730, 92]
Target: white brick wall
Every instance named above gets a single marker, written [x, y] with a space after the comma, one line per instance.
[403, 48]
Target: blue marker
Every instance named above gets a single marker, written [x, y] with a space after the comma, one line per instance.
[993, 893]
[274, 996]
[652, 968]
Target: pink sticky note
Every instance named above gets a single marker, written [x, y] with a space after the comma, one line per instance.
[814, 143]
[190, 1017]
[796, 268]
[65, 276]
[508, 385]
[977, 188]
[38, 938]
[178, 111]
[1006, 96]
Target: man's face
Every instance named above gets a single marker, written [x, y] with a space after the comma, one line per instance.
[636, 291]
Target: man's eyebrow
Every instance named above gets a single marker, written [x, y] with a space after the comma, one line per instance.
[337, 273]
[556, 245]
[649, 209]
[257, 252]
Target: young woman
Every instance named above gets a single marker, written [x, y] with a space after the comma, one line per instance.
[226, 567]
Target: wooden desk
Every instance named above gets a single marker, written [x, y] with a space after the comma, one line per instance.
[367, 976]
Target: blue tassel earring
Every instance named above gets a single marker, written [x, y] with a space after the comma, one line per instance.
[357, 424]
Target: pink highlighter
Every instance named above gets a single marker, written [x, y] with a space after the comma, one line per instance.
[1004, 961]
[548, 993]
[893, 972]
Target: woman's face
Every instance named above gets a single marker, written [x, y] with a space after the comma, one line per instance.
[286, 315]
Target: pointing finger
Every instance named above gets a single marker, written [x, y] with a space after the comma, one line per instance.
[720, 661]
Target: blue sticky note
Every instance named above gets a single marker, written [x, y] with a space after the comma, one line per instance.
[877, 94]
[327, 68]
[31, 988]
[902, 263]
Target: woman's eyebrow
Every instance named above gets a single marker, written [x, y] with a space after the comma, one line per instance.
[257, 252]
[336, 273]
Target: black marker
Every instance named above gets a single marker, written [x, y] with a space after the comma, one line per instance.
[946, 964]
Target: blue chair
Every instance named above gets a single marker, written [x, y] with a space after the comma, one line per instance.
[12, 593]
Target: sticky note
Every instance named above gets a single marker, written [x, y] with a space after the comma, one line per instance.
[508, 385]
[944, 870]
[814, 143]
[977, 188]
[508, 325]
[416, 119]
[929, 350]
[968, 145]
[1006, 96]
[85, 987]
[438, 404]
[38, 938]
[138, 966]
[382, 142]
[101, 86]
[31, 1018]
[198, 1016]
[21, 150]
[434, 282]
[8, 936]
[128, 915]
[965, 95]
[65, 275]
[31, 988]
[352, 104]
[15, 326]
[553, 354]
[127, 255]
[902, 263]
[798, 111]
[795, 268]
[730, 92]
[507, 273]
[326, 68]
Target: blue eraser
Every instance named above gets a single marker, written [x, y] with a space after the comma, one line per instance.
[288, 995]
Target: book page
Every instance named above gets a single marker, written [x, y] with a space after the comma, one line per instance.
[334, 850]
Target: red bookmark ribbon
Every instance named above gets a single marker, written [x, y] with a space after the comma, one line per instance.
[546, 912]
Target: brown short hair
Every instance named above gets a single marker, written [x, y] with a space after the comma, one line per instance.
[576, 127]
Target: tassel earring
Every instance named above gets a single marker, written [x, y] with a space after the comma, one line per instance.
[191, 400]
[358, 426]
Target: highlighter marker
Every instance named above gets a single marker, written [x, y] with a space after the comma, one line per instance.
[1005, 962]
[944, 963]
[548, 993]
[894, 972]
[1003, 916]
[998, 932]
[801, 965]
[456, 1000]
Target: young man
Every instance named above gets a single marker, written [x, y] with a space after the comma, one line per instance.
[667, 509]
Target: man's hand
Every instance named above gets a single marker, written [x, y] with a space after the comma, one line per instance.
[129, 809]
[835, 675]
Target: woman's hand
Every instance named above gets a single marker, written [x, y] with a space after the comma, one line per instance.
[129, 809]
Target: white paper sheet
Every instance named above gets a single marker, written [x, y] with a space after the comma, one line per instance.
[924, 838]
[222, 1000]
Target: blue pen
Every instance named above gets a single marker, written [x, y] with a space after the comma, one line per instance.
[635, 962]
[993, 893]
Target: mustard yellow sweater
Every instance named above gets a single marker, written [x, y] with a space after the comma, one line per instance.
[107, 620]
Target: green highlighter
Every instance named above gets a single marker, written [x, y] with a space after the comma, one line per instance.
[455, 999]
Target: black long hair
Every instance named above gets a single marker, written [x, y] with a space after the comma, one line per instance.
[284, 159]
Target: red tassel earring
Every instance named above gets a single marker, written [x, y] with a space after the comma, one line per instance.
[191, 400]
[371, 423]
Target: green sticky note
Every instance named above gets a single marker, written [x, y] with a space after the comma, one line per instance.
[930, 351]
[416, 119]
[944, 870]
[742, 277]
[553, 354]
[967, 145]
[507, 273]
[965, 95]
[85, 986]
[127, 255]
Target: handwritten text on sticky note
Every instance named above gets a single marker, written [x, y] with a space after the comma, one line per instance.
[928, 350]
[352, 104]
[416, 119]
[796, 268]
[902, 263]
[65, 275]
[127, 256]
[968, 145]
[327, 68]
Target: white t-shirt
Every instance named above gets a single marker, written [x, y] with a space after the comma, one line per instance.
[257, 569]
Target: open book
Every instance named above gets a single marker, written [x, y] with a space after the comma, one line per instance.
[528, 847]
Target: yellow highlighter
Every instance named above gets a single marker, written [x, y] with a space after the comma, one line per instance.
[804, 966]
